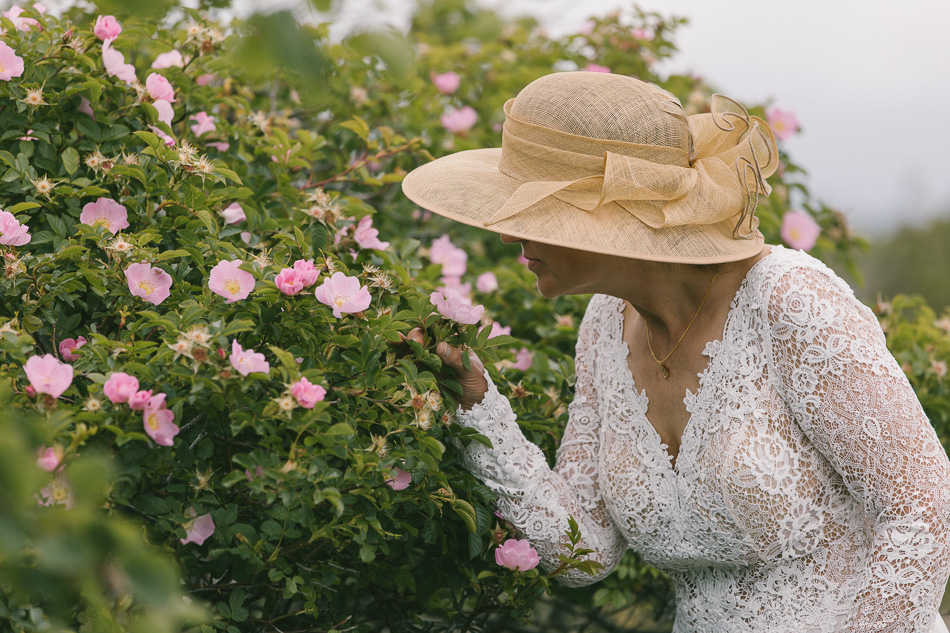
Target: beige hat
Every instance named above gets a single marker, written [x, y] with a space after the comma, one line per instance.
[611, 164]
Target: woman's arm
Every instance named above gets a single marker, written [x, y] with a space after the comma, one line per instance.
[532, 496]
[853, 401]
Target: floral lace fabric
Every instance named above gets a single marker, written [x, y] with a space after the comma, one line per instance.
[810, 493]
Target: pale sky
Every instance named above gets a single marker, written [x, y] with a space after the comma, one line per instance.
[868, 79]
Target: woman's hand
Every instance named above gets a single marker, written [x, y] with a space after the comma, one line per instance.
[474, 385]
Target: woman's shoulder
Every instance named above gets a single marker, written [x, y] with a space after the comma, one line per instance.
[786, 270]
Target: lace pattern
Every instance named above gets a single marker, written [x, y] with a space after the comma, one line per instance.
[810, 492]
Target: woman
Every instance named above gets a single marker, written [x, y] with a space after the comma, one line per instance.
[798, 485]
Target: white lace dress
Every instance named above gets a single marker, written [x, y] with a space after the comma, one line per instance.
[810, 493]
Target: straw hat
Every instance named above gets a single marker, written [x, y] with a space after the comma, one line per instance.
[611, 164]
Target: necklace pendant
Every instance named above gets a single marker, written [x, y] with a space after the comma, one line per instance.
[666, 372]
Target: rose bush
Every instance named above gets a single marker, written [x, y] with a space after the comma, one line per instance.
[229, 243]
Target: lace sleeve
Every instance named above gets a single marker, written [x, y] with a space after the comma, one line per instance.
[536, 499]
[854, 403]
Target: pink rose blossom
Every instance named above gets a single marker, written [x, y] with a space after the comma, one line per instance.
[446, 83]
[204, 122]
[161, 134]
[799, 230]
[120, 387]
[517, 555]
[139, 400]
[258, 472]
[12, 233]
[596, 68]
[642, 34]
[107, 27]
[461, 120]
[21, 24]
[307, 394]
[228, 280]
[158, 421]
[368, 237]
[234, 213]
[169, 59]
[115, 65]
[48, 375]
[247, 361]
[159, 88]
[28, 136]
[221, 147]
[523, 359]
[454, 289]
[69, 345]
[152, 284]
[399, 479]
[11, 65]
[198, 530]
[205, 79]
[107, 212]
[455, 310]
[57, 492]
[246, 237]
[343, 294]
[453, 259]
[784, 123]
[486, 282]
[288, 282]
[306, 272]
[85, 107]
[165, 111]
[49, 458]
[498, 330]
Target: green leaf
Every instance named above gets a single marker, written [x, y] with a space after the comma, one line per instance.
[229, 174]
[358, 126]
[150, 138]
[71, 160]
[466, 511]
[173, 254]
[340, 428]
[22, 206]
[286, 358]
[208, 219]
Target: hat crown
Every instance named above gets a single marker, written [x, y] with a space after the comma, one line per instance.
[606, 107]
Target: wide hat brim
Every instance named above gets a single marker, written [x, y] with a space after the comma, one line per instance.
[468, 187]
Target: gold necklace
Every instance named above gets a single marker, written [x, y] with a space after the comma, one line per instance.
[666, 370]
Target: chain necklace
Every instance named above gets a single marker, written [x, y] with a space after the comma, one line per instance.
[666, 370]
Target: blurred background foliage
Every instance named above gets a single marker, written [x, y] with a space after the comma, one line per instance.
[365, 99]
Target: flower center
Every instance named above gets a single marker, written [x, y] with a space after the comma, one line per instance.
[339, 300]
[233, 286]
[100, 221]
[147, 286]
[152, 421]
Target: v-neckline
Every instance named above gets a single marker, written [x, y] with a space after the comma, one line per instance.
[711, 349]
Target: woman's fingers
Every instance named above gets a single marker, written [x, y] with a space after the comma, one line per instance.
[473, 382]
[416, 334]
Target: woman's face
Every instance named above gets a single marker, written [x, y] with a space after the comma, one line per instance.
[566, 271]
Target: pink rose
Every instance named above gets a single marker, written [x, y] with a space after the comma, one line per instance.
[306, 272]
[107, 212]
[461, 120]
[220, 146]
[497, 330]
[120, 387]
[288, 282]
[517, 555]
[115, 65]
[399, 479]
[69, 345]
[446, 83]
[11, 65]
[229, 281]
[234, 213]
[169, 59]
[784, 123]
[21, 24]
[368, 237]
[159, 88]
[139, 400]
[107, 27]
[486, 282]
[198, 530]
[343, 294]
[453, 259]
[247, 361]
[152, 284]
[204, 123]
[205, 79]
[523, 359]
[48, 458]
[48, 375]
[799, 230]
[596, 68]
[12, 233]
[455, 310]
[85, 107]
[307, 394]
[165, 111]
[158, 421]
